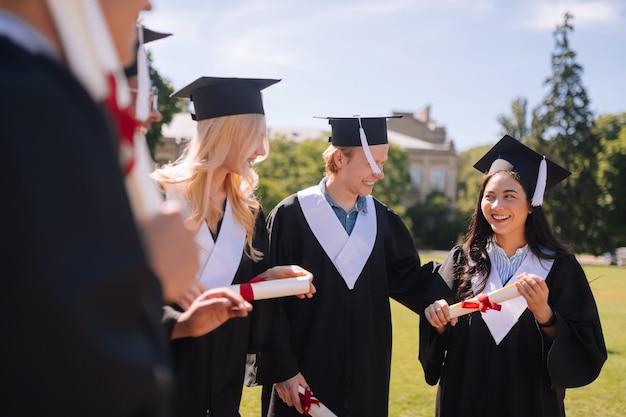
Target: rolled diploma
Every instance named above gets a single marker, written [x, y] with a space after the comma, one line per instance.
[497, 296]
[276, 287]
[318, 410]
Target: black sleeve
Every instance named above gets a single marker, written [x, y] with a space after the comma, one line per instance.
[578, 351]
[278, 362]
[408, 279]
[432, 347]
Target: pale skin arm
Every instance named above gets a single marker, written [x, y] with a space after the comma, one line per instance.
[531, 287]
[171, 250]
[288, 391]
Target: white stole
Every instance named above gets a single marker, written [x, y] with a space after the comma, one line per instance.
[218, 260]
[348, 253]
[501, 322]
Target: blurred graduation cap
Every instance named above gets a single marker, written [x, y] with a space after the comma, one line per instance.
[509, 154]
[148, 35]
[217, 97]
[359, 131]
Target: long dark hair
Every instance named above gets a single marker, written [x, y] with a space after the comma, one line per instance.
[541, 241]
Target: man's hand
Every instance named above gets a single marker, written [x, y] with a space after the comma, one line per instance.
[288, 391]
[291, 271]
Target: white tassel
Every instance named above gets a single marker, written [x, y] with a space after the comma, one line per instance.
[88, 47]
[82, 58]
[142, 106]
[540, 187]
[366, 149]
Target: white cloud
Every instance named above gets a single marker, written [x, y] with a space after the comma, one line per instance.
[545, 16]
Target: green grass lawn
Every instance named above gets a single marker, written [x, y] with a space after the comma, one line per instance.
[410, 396]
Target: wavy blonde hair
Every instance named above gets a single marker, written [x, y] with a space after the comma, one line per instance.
[208, 150]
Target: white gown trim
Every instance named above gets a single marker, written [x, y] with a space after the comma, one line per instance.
[501, 322]
[349, 253]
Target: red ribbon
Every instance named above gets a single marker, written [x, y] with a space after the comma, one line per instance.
[245, 289]
[483, 304]
[307, 399]
[125, 123]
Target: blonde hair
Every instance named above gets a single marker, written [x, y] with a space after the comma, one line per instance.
[207, 150]
[330, 168]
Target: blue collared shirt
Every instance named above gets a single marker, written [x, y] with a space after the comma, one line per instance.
[506, 266]
[347, 219]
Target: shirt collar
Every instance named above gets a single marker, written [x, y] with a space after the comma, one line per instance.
[361, 203]
[494, 248]
[26, 36]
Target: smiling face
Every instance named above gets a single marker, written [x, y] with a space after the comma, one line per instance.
[355, 173]
[505, 206]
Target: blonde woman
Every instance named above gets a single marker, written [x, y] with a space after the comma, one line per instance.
[215, 181]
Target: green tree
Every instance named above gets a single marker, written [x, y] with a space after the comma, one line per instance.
[612, 177]
[292, 166]
[516, 125]
[435, 223]
[562, 129]
[393, 187]
[468, 184]
[167, 106]
[289, 167]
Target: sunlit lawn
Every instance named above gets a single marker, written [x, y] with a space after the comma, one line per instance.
[410, 396]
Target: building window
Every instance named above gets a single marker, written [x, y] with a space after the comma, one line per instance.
[438, 180]
[415, 178]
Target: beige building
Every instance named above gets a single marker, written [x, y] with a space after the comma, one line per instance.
[433, 162]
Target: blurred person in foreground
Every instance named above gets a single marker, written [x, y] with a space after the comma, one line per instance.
[515, 359]
[84, 336]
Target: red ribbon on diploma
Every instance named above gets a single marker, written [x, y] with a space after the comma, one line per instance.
[483, 304]
[307, 399]
[246, 289]
[125, 123]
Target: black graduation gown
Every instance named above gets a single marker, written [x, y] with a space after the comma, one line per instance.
[81, 333]
[527, 373]
[209, 370]
[341, 339]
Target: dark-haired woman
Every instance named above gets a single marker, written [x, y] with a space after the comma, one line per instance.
[519, 360]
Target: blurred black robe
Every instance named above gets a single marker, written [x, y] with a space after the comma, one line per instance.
[81, 308]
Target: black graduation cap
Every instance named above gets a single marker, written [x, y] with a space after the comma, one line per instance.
[345, 131]
[148, 36]
[509, 154]
[360, 131]
[217, 97]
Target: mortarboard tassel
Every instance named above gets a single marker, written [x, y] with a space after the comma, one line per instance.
[88, 47]
[366, 149]
[142, 103]
[540, 187]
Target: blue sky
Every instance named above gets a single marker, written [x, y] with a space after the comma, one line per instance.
[467, 59]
